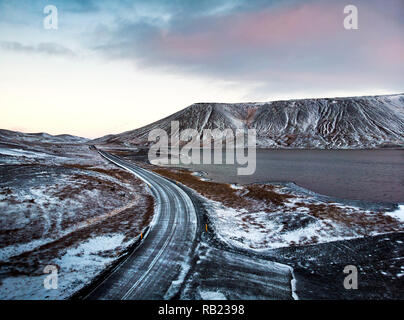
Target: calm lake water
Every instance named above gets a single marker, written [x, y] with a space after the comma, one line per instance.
[372, 175]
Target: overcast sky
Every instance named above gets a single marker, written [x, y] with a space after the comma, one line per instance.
[113, 66]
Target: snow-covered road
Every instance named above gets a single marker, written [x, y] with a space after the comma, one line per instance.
[156, 268]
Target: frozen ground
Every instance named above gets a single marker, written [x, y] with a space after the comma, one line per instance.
[261, 217]
[314, 236]
[63, 205]
[299, 220]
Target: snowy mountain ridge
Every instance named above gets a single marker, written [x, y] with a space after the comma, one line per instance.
[324, 123]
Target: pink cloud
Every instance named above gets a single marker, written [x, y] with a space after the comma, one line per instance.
[298, 24]
[391, 52]
[258, 29]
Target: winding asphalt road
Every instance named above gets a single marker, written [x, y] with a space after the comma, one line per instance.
[156, 268]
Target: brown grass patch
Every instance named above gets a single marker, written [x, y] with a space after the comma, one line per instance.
[368, 221]
[266, 194]
[246, 198]
[116, 173]
[212, 190]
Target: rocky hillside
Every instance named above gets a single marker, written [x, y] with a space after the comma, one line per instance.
[356, 122]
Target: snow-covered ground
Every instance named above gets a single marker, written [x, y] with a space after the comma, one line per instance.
[268, 216]
[20, 153]
[76, 267]
[62, 205]
[261, 230]
[397, 214]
